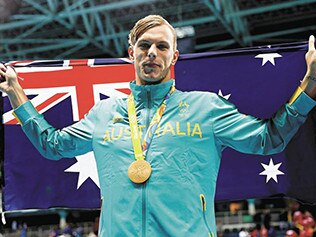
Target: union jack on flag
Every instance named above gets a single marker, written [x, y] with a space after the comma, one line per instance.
[84, 81]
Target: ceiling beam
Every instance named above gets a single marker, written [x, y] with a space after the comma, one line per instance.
[215, 44]
[223, 43]
[239, 23]
[68, 12]
[40, 49]
[282, 32]
[225, 23]
[106, 7]
[272, 7]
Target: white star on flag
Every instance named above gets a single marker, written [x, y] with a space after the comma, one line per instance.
[271, 171]
[86, 167]
[268, 57]
[224, 96]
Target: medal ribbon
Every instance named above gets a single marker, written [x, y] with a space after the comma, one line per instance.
[140, 150]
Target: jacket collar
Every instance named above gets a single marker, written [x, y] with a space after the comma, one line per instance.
[151, 92]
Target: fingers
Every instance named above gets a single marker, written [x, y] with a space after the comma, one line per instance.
[6, 71]
[3, 70]
[311, 43]
[2, 78]
[2, 67]
[10, 69]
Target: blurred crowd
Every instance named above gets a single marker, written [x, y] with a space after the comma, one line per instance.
[303, 225]
[293, 223]
[69, 230]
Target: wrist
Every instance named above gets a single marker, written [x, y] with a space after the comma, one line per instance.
[16, 95]
[308, 85]
[311, 78]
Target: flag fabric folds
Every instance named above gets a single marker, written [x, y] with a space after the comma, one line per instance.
[257, 80]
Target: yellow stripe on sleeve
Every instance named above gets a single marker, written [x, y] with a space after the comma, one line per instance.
[17, 118]
[295, 95]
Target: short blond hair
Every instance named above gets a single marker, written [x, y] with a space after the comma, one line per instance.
[147, 23]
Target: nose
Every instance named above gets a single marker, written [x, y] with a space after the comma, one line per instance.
[152, 52]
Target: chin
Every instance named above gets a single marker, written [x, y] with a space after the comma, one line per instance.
[152, 80]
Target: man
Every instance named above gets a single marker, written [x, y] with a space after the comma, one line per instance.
[166, 185]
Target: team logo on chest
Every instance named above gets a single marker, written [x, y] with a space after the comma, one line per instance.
[117, 118]
[183, 108]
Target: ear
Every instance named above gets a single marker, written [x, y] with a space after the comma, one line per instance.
[175, 57]
[131, 53]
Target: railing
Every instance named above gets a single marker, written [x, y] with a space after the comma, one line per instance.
[243, 216]
[43, 231]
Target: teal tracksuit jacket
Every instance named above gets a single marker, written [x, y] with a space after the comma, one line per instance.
[185, 154]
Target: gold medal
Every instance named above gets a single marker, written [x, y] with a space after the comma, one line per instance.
[139, 171]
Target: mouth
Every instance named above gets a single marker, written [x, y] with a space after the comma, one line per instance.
[150, 67]
[150, 64]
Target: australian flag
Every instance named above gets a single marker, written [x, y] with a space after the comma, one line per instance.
[257, 80]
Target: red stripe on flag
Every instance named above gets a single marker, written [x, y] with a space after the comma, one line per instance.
[49, 101]
[125, 90]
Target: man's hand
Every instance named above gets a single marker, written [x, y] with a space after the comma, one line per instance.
[309, 83]
[8, 78]
[10, 85]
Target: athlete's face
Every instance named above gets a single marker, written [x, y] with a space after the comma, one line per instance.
[153, 55]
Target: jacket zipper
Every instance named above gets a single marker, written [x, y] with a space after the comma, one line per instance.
[144, 185]
[203, 203]
[144, 210]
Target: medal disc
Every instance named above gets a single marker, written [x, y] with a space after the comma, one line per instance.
[139, 171]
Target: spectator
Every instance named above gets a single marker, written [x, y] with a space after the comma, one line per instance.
[14, 226]
[243, 233]
[291, 233]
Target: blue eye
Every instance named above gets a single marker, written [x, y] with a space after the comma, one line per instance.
[144, 46]
[161, 46]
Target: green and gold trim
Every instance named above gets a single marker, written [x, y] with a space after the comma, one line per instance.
[295, 95]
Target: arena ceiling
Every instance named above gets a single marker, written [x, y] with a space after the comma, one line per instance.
[63, 29]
